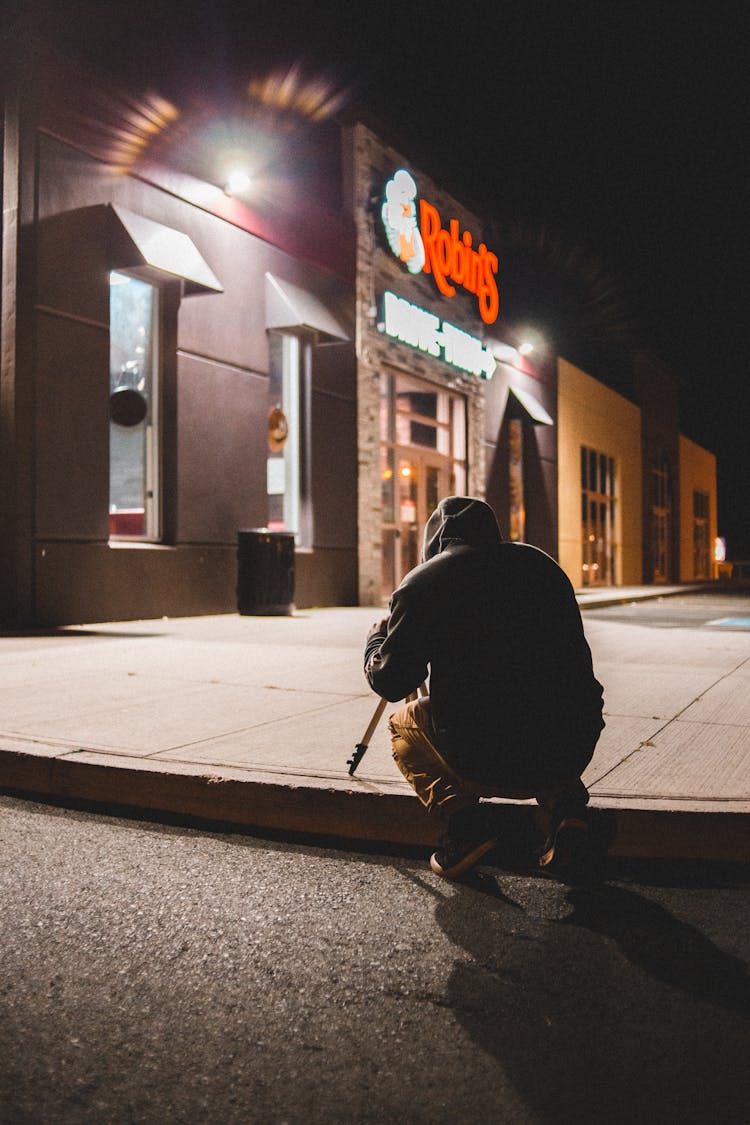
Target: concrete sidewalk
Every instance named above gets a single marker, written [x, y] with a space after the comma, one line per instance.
[251, 720]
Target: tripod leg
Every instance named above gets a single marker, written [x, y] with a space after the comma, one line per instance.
[361, 747]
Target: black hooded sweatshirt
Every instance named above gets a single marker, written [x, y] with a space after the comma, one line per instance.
[514, 699]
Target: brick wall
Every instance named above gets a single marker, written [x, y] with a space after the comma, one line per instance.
[378, 270]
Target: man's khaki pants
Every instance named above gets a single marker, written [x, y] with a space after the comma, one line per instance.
[440, 789]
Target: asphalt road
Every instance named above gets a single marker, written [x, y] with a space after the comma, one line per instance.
[160, 973]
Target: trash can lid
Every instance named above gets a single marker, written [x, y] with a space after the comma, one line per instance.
[266, 531]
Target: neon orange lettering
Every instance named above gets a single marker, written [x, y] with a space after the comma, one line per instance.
[429, 224]
[489, 298]
[444, 252]
[432, 230]
[449, 254]
[470, 272]
[459, 255]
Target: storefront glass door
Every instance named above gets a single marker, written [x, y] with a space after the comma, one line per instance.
[423, 459]
[134, 428]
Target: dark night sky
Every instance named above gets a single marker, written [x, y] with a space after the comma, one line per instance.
[606, 138]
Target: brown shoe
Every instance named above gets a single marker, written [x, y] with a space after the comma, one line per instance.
[468, 838]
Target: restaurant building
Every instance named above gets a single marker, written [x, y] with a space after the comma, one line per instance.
[446, 401]
[160, 341]
[183, 359]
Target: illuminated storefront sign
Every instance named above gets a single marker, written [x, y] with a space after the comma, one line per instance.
[445, 252]
[423, 330]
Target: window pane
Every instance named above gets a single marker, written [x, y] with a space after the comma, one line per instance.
[386, 474]
[419, 402]
[432, 489]
[458, 479]
[133, 431]
[407, 491]
[593, 483]
[422, 434]
[291, 384]
[403, 429]
[285, 468]
[444, 441]
[458, 428]
[389, 560]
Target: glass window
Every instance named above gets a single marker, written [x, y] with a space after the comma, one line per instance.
[701, 556]
[593, 484]
[660, 537]
[419, 402]
[288, 507]
[425, 435]
[387, 483]
[598, 498]
[134, 439]
[423, 458]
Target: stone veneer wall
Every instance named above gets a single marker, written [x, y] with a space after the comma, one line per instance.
[377, 270]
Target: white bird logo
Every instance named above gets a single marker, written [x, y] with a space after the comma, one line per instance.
[399, 213]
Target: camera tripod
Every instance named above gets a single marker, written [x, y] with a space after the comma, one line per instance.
[361, 747]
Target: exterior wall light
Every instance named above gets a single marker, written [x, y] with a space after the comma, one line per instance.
[236, 183]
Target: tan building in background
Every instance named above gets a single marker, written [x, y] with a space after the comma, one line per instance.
[636, 499]
[698, 520]
[599, 482]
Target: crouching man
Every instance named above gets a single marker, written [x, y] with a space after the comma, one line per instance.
[514, 709]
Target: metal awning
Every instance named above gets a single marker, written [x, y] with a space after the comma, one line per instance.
[533, 407]
[289, 307]
[151, 247]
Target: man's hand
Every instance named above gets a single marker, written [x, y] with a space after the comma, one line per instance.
[378, 627]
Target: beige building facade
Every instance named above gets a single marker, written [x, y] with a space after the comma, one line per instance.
[599, 482]
[637, 500]
[698, 520]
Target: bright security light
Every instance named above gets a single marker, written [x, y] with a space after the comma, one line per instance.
[237, 182]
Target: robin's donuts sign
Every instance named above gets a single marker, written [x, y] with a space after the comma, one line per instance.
[420, 239]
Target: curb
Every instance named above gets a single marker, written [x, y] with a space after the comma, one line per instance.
[605, 602]
[334, 810]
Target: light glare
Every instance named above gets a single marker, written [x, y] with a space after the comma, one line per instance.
[237, 182]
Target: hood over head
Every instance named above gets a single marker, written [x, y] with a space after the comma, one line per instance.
[460, 519]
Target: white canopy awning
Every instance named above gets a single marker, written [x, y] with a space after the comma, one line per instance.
[533, 407]
[289, 307]
[164, 250]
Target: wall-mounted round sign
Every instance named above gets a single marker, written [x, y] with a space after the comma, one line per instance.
[278, 429]
[127, 406]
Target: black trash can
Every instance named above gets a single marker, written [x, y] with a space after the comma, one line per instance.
[265, 572]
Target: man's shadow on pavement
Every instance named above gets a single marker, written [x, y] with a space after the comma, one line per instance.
[614, 1011]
